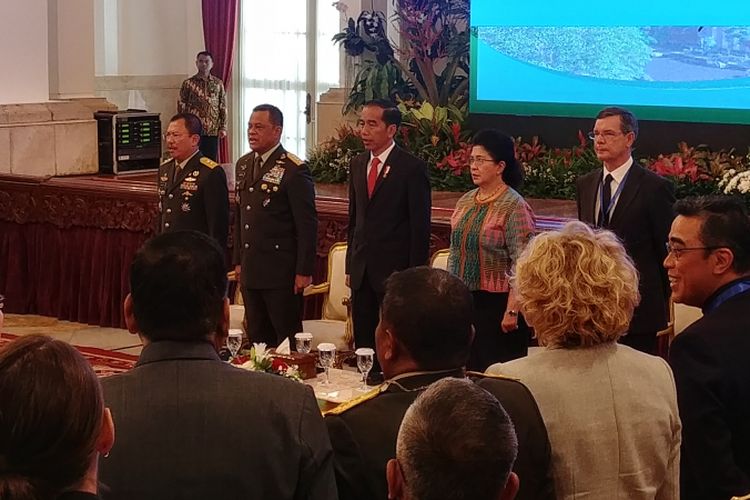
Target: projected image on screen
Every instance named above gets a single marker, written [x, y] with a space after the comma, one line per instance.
[659, 53]
[536, 62]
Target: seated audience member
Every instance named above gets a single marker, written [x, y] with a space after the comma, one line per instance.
[53, 423]
[709, 267]
[190, 425]
[425, 335]
[611, 411]
[455, 443]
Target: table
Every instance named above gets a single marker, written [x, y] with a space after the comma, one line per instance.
[345, 386]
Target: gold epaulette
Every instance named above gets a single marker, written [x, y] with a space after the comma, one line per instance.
[338, 410]
[165, 162]
[746, 497]
[295, 159]
[209, 162]
[471, 374]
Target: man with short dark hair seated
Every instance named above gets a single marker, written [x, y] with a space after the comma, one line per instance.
[425, 335]
[190, 426]
[456, 442]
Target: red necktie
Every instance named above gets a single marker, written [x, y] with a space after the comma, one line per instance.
[372, 177]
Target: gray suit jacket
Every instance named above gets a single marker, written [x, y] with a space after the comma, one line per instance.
[190, 426]
[611, 415]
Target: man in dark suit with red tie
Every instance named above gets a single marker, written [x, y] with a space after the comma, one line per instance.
[389, 217]
[636, 204]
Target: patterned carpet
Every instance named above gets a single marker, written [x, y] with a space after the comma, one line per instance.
[104, 362]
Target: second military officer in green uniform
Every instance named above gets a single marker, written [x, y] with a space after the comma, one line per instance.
[193, 192]
[275, 234]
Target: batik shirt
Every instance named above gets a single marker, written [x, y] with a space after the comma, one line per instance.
[206, 99]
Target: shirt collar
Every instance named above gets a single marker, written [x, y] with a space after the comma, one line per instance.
[182, 164]
[620, 172]
[265, 156]
[384, 155]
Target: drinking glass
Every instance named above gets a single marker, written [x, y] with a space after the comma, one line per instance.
[304, 342]
[326, 353]
[365, 357]
[234, 342]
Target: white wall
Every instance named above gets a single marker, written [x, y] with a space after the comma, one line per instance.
[147, 37]
[23, 38]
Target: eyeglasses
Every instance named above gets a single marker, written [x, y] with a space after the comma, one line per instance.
[678, 251]
[607, 135]
[480, 160]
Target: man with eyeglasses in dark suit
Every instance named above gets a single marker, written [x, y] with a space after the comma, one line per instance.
[635, 204]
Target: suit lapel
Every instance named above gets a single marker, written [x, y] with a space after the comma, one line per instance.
[360, 179]
[186, 170]
[591, 192]
[269, 164]
[385, 171]
[627, 195]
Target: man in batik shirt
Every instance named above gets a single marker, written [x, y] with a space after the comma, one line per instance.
[203, 95]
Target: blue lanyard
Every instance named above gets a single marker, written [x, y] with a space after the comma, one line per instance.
[612, 200]
[736, 289]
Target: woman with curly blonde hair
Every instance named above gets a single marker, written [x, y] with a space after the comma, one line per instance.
[610, 411]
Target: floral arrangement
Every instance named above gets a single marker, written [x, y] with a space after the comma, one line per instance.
[259, 359]
[438, 136]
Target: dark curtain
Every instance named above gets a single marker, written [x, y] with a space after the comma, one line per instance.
[219, 32]
[77, 274]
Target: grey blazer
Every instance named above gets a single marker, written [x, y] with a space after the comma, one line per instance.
[189, 426]
[611, 415]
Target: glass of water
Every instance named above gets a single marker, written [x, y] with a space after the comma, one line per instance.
[326, 353]
[234, 342]
[365, 358]
[304, 342]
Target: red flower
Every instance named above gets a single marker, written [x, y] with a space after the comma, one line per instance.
[278, 365]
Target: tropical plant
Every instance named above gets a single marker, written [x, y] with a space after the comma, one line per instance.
[432, 60]
[329, 161]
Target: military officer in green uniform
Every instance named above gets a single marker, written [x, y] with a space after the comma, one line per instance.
[275, 233]
[193, 192]
[425, 335]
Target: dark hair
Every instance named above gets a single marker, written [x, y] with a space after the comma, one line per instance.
[391, 113]
[456, 442]
[501, 148]
[430, 312]
[205, 53]
[274, 114]
[193, 124]
[628, 121]
[178, 283]
[51, 412]
[725, 223]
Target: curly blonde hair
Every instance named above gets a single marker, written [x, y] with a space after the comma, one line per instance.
[577, 287]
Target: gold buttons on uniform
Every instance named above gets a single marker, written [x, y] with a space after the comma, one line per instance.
[171, 196]
[247, 245]
[247, 226]
[166, 224]
[169, 210]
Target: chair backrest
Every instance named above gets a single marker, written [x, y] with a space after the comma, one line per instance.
[332, 306]
[439, 259]
[684, 316]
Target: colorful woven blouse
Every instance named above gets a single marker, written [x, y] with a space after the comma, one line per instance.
[486, 239]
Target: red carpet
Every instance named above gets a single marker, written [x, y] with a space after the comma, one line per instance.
[104, 362]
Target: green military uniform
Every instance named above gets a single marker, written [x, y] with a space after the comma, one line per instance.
[363, 434]
[195, 198]
[275, 236]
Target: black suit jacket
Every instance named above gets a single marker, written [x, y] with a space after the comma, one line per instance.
[196, 199]
[710, 364]
[391, 231]
[364, 437]
[190, 426]
[276, 224]
[641, 219]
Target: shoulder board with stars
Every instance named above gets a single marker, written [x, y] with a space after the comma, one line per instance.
[343, 407]
[209, 162]
[294, 159]
[471, 374]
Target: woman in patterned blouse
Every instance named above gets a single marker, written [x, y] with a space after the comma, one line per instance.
[490, 227]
